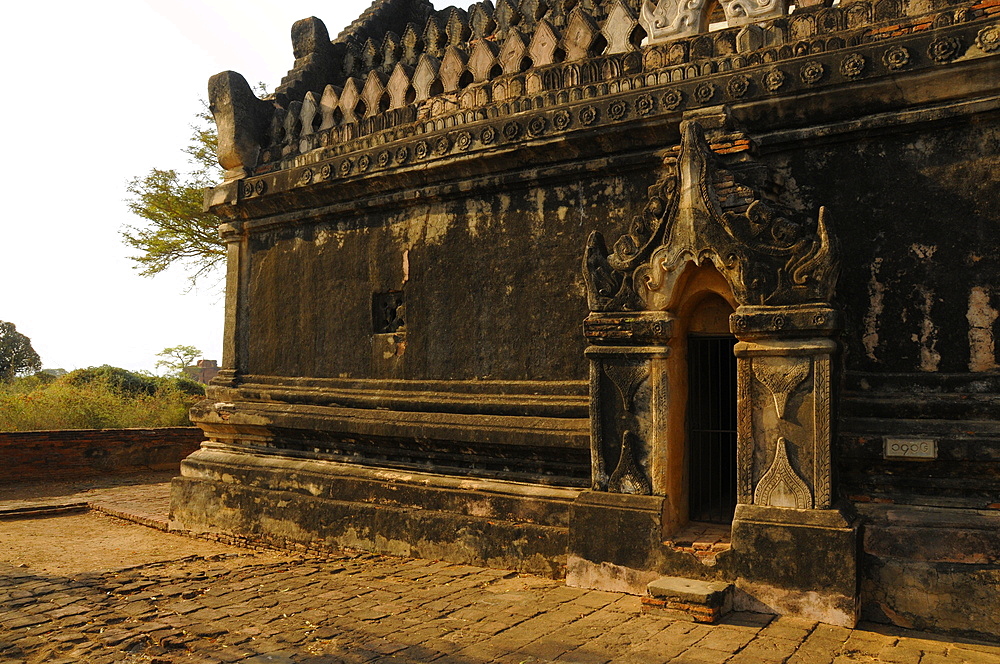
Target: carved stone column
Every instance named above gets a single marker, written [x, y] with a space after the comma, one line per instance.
[798, 552]
[629, 387]
[616, 529]
[234, 342]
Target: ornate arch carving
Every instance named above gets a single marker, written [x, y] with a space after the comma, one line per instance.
[702, 211]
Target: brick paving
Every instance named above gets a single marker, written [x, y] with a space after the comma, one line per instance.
[247, 607]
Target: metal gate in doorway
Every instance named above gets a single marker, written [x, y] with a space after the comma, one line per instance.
[711, 429]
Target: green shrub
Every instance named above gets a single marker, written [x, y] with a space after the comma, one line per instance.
[119, 380]
[97, 398]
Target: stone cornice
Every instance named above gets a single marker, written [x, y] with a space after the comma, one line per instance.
[625, 103]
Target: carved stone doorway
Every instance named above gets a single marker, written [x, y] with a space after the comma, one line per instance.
[711, 254]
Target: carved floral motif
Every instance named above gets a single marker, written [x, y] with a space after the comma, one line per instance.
[738, 86]
[645, 105]
[562, 120]
[782, 380]
[704, 93]
[781, 486]
[463, 141]
[672, 99]
[811, 72]
[618, 109]
[896, 58]
[774, 79]
[989, 38]
[944, 49]
[853, 65]
[442, 145]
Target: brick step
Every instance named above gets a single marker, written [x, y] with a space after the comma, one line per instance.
[688, 599]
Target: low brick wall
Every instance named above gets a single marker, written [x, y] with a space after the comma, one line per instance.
[36, 455]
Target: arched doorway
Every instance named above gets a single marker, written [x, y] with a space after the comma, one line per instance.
[711, 413]
[697, 469]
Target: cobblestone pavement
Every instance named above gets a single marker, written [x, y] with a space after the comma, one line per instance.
[245, 606]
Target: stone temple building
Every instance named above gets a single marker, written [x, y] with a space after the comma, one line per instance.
[694, 299]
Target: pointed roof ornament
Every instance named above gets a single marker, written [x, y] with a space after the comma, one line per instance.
[412, 44]
[425, 75]
[481, 20]
[435, 38]
[452, 67]
[349, 99]
[619, 29]
[399, 86]
[310, 109]
[532, 11]
[370, 55]
[513, 53]
[581, 31]
[392, 51]
[328, 106]
[482, 60]
[544, 44]
[507, 16]
[457, 27]
[372, 93]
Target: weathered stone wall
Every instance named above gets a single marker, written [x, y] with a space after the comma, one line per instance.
[492, 284]
[36, 455]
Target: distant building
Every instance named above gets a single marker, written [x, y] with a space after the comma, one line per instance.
[203, 372]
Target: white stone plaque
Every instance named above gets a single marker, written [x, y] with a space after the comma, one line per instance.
[910, 448]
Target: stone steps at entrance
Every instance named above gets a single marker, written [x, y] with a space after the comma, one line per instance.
[688, 599]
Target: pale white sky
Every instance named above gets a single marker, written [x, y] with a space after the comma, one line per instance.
[98, 93]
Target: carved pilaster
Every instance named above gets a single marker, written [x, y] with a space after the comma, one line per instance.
[627, 386]
[822, 435]
[234, 344]
[744, 431]
[784, 396]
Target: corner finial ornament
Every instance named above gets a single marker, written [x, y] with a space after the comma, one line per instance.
[673, 19]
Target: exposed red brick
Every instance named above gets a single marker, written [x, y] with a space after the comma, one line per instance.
[34, 455]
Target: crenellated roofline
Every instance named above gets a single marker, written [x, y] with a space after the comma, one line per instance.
[419, 91]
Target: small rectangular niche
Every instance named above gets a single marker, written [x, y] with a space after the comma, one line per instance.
[388, 311]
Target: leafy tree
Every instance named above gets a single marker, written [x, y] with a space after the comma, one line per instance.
[176, 359]
[118, 380]
[17, 357]
[179, 230]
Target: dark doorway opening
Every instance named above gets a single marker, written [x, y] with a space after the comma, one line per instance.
[711, 428]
